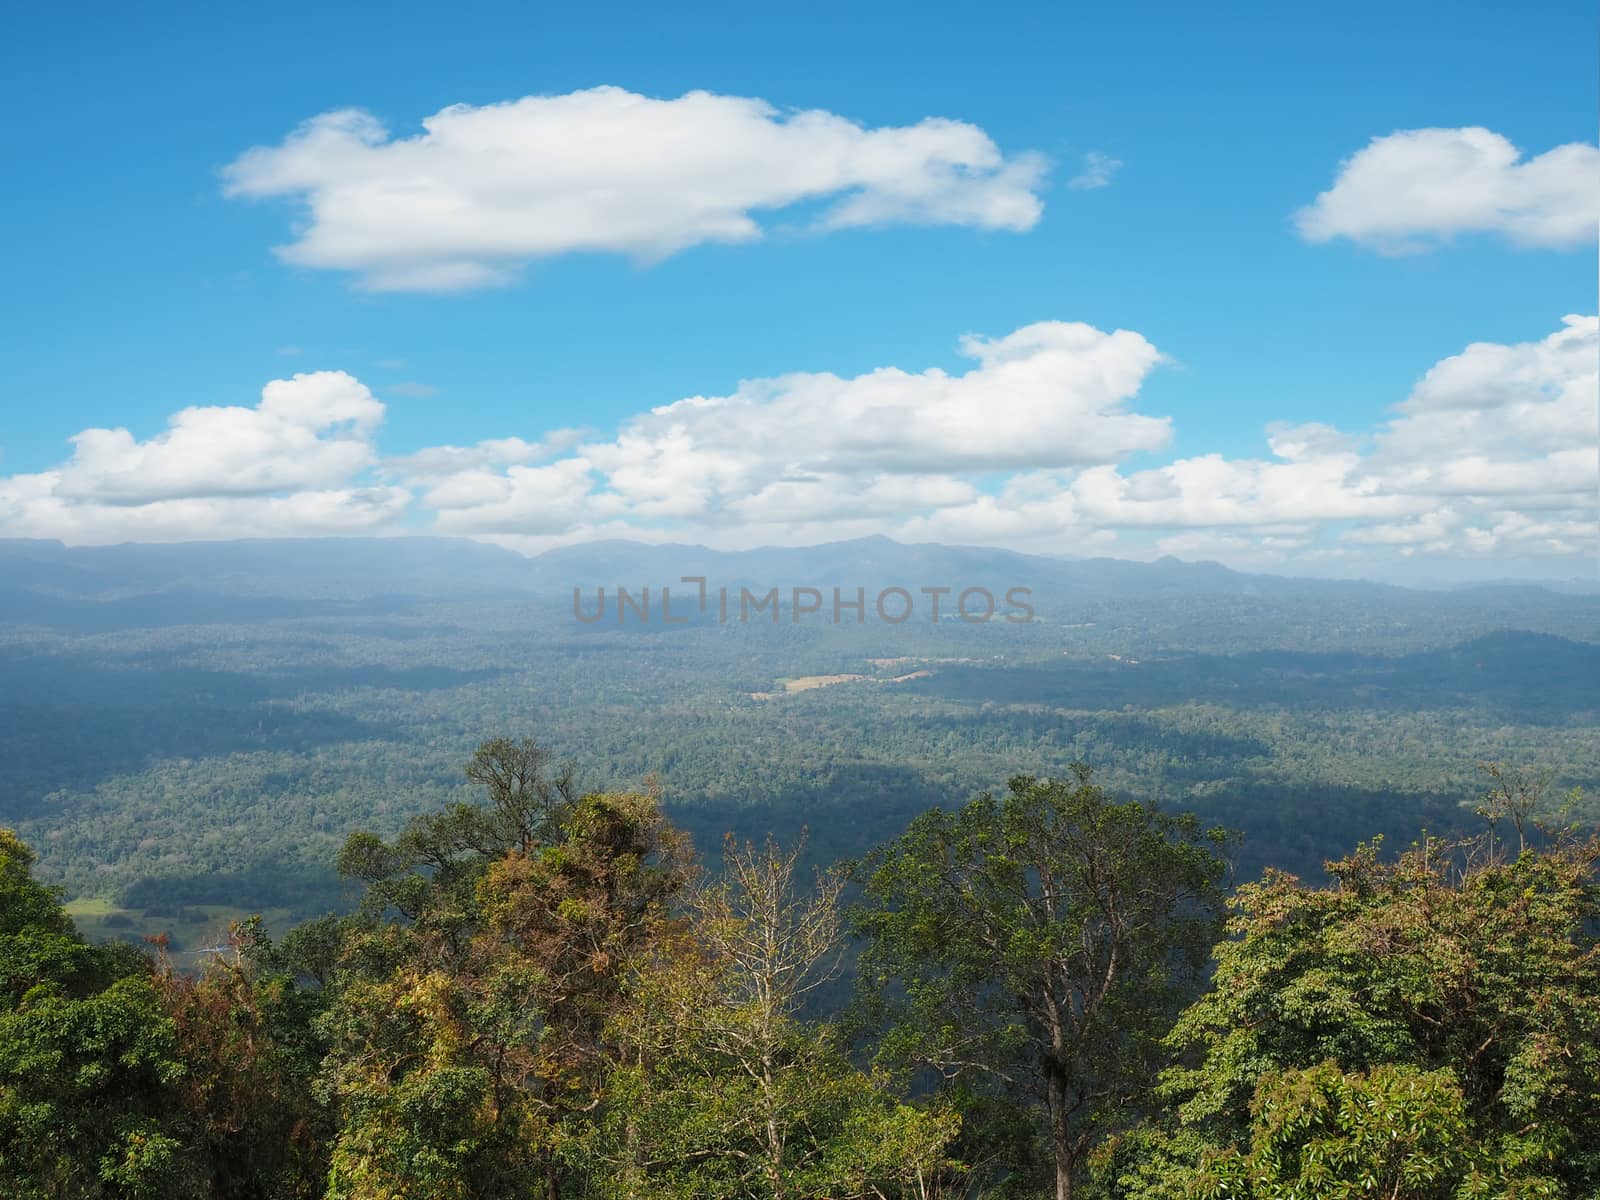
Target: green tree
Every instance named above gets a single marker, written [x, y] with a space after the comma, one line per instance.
[430, 872]
[467, 1035]
[1032, 950]
[1428, 1026]
[245, 1034]
[89, 1060]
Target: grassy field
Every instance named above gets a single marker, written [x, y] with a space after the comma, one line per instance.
[191, 932]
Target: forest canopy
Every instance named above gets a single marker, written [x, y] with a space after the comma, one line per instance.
[1050, 991]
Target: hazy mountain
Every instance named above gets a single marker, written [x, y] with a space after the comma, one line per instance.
[145, 585]
[140, 584]
[879, 562]
[294, 565]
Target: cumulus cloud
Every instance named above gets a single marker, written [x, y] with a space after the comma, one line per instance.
[1049, 394]
[290, 464]
[808, 447]
[434, 462]
[1504, 402]
[30, 507]
[1418, 188]
[483, 190]
[307, 432]
[1493, 451]
[521, 500]
[825, 498]
[1533, 403]
[1039, 444]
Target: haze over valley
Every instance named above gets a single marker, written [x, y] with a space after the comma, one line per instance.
[191, 730]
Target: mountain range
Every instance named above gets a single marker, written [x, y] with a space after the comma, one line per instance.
[141, 585]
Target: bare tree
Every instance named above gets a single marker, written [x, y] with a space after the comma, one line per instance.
[775, 945]
[1514, 794]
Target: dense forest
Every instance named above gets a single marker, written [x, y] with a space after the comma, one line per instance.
[189, 732]
[260, 937]
[1049, 990]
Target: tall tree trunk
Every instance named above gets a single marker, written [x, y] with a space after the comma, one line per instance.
[1060, 1135]
[775, 1137]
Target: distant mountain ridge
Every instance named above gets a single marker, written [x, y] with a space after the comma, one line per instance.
[878, 562]
[48, 583]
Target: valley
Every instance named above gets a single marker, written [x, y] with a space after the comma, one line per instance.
[192, 743]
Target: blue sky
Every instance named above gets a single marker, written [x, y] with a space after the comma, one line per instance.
[137, 288]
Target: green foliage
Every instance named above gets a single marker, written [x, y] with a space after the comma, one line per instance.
[1035, 947]
[1391, 1131]
[1448, 1001]
[89, 1060]
[466, 1037]
[541, 996]
[245, 1033]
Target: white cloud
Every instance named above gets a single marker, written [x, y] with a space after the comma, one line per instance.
[1097, 171]
[1272, 551]
[1418, 188]
[30, 506]
[1431, 528]
[1050, 394]
[483, 190]
[307, 432]
[435, 462]
[1493, 453]
[813, 498]
[1039, 444]
[1500, 420]
[521, 500]
[291, 464]
[808, 447]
